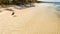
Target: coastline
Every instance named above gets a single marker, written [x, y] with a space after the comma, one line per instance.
[41, 19]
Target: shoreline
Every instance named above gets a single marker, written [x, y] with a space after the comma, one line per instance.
[40, 19]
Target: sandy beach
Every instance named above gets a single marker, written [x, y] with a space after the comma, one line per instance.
[41, 19]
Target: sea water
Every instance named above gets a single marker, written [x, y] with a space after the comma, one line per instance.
[57, 7]
[57, 4]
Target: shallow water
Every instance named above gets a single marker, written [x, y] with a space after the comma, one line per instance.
[58, 10]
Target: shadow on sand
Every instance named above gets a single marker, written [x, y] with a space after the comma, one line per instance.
[19, 7]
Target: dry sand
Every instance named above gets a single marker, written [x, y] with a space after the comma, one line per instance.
[42, 19]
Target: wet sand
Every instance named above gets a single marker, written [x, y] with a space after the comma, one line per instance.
[41, 19]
